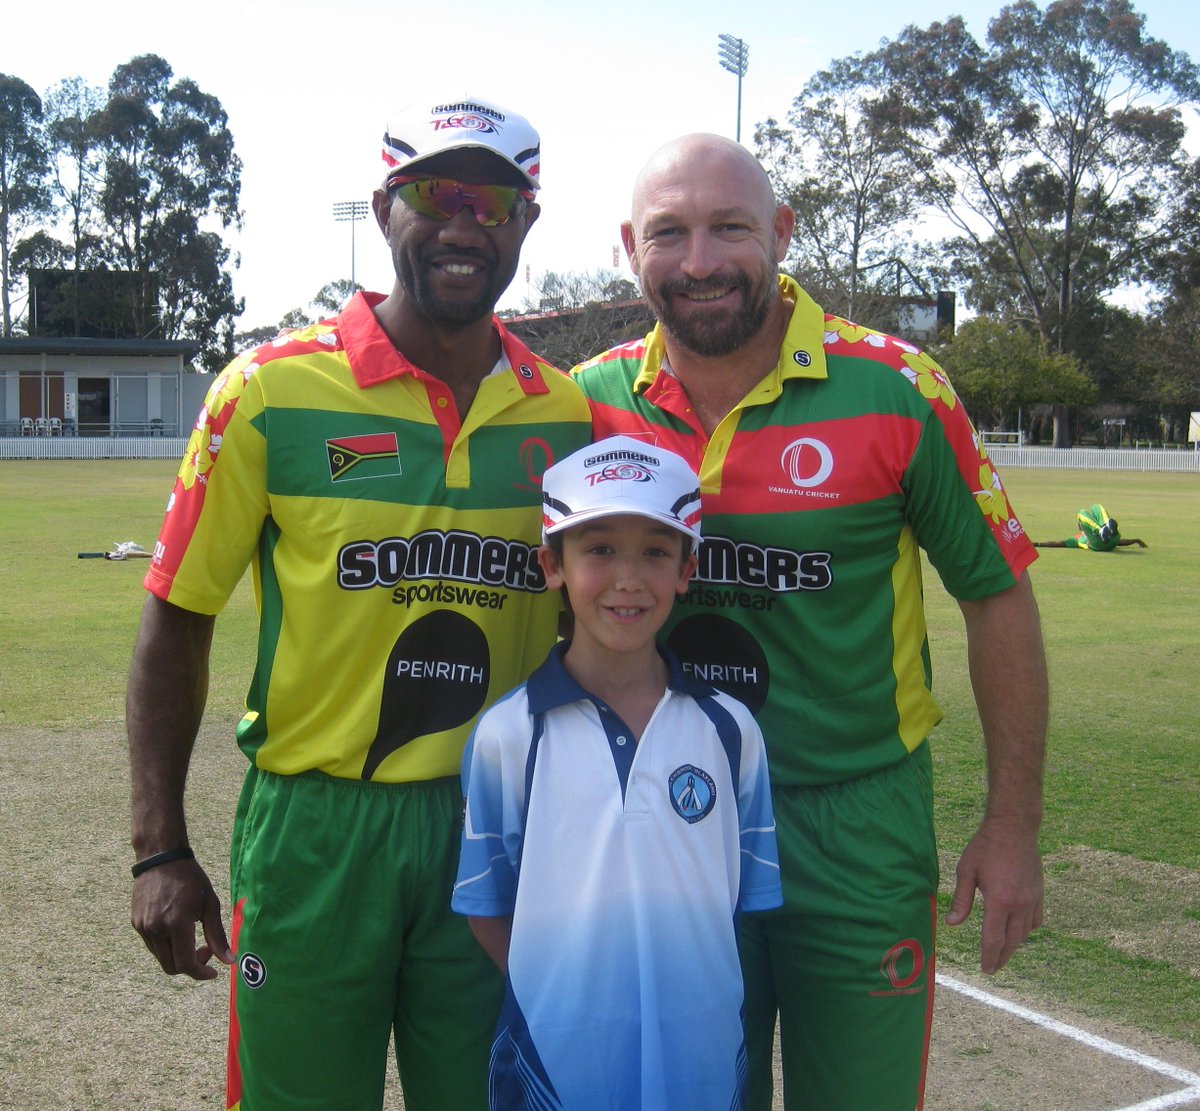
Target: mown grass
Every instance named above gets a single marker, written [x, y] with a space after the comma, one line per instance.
[1123, 765]
[71, 622]
[1121, 636]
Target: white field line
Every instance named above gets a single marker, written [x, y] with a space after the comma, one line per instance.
[1189, 1094]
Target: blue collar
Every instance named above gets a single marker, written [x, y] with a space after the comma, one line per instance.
[551, 685]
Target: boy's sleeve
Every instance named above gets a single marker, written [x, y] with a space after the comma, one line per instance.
[487, 878]
[760, 887]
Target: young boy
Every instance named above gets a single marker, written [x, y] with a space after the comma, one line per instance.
[618, 816]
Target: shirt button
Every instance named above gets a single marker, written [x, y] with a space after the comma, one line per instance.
[442, 402]
[620, 740]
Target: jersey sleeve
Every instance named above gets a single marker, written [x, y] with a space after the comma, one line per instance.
[219, 501]
[486, 886]
[760, 887]
[959, 509]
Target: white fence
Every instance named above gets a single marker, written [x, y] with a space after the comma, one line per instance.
[92, 447]
[1003, 455]
[1095, 459]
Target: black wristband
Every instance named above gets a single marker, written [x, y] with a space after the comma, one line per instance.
[161, 858]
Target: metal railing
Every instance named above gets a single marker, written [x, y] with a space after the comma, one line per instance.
[1094, 459]
[172, 447]
[92, 447]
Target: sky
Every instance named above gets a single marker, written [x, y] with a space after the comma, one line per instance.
[309, 88]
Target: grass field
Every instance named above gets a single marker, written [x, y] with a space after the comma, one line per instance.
[1122, 828]
[1121, 837]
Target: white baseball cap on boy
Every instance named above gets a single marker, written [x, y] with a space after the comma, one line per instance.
[621, 475]
[423, 130]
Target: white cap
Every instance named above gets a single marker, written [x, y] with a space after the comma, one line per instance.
[423, 130]
[621, 475]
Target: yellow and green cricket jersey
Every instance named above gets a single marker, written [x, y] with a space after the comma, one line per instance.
[392, 545]
[819, 491]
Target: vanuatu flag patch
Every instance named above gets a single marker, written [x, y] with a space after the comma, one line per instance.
[372, 456]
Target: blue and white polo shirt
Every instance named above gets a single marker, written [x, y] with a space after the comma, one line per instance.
[622, 865]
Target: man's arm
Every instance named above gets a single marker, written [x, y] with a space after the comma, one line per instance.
[168, 687]
[1008, 675]
[494, 935]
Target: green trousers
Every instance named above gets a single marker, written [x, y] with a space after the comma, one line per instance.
[846, 964]
[344, 938]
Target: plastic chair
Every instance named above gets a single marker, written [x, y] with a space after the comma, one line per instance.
[41, 426]
[56, 426]
[27, 426]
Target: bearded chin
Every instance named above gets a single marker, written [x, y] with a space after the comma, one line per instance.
[448, 314]
[712, 333]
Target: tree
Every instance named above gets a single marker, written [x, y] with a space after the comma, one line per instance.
[576, 314]
[1172, 355]
[71, 106]
[1056, 152]
[170, 180]
[24, 166]
[845, 173]
[328, 301]
[332, 297]
[1000, 367]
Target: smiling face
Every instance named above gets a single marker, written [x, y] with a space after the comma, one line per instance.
[452, 272]
[706, 240]
[622, 573]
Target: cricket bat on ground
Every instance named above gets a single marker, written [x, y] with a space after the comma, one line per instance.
[126, 550]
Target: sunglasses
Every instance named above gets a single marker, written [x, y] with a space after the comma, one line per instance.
[443, 197]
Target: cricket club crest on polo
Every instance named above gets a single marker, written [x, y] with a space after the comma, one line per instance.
[693, 793]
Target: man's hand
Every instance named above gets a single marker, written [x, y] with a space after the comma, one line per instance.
[1001, 861]
[1008, 675]
[168, 901]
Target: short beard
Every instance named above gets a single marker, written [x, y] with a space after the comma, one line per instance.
[449, 314]
[720, 332]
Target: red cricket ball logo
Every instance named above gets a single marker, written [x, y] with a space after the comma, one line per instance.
[898, 957]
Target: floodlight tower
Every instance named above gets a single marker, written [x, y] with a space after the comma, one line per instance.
[734, 56]
[352, 211]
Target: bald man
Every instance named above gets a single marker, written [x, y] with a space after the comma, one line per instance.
[829, 456]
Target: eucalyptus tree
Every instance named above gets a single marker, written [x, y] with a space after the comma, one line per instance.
[844, 169]
[168, 190]
[24, 190]
[1056, 151]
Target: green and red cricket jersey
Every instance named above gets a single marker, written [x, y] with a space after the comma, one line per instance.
[819, 491]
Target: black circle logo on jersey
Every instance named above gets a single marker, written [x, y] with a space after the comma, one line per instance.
[254, 972]
[802, 358]
[693, 793]
[525, 371]
[720, 652]
[437, 678]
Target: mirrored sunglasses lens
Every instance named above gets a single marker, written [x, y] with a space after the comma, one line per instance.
[436, 197]
[441, 198]
[492, 204]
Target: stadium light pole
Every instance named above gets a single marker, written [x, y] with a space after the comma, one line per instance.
[734, 55]
[353, 211]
